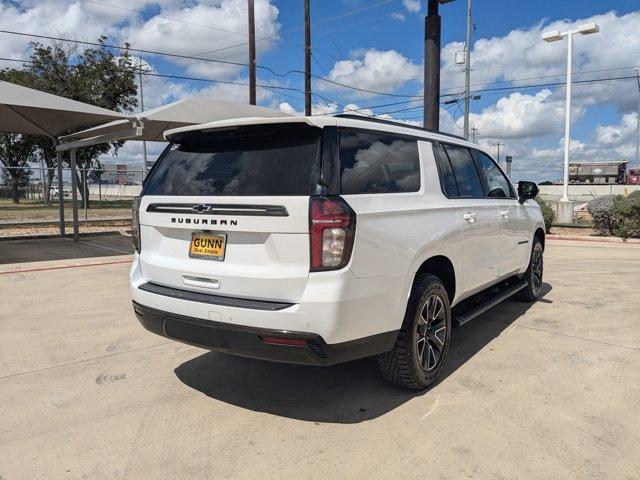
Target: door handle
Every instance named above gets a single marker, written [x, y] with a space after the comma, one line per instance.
[504, 213]
[471, 217]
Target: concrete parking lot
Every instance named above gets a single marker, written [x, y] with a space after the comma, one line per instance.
[549, 390]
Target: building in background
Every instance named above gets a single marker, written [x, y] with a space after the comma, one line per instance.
[122, 174]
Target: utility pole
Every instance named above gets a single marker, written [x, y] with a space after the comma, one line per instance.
[467, 71]
[307, 58]
[252, 55]
[499, 144]
[474, 131]
[144, 143]
[431, 93]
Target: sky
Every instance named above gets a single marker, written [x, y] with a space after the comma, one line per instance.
[377, 47]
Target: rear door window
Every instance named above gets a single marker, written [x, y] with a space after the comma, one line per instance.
[465, 171]
[378, 162]
[255, 160]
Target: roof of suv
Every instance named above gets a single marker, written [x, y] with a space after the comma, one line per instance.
[320, 121]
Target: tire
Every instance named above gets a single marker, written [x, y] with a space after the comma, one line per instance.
[533, 275]
[417, 359]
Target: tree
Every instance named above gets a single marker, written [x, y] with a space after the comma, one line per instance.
[94, 75]
[15, 153]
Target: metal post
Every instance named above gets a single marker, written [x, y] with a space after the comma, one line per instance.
[431, 108]
[509, 159]
[307, 58]
[44, 180]
[567, 121]
[74, 194]
[638, 121]
[144, 143]
[252, 55]
[60, 193]
[85, 189]
[467, 71]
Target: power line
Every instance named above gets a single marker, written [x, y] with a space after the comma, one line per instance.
[189, 57]
[166, 18]
[314, 24]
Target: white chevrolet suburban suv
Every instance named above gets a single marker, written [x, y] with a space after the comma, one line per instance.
[318, 240]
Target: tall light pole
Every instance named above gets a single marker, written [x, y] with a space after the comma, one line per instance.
[467, 71]
[565, 208]
[638, 121]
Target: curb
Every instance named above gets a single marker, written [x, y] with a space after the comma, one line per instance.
[580, 238]
[33, 223]
[66, 235]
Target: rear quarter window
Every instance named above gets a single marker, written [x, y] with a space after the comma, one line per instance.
[377, 162]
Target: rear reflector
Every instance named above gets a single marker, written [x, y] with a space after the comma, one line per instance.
[292, 342]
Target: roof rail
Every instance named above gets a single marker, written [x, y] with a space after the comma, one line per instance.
[397, 124]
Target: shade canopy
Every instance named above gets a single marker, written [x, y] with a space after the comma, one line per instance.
[189, 111]
[32, 112]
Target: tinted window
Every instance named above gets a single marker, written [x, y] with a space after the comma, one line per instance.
[263, 160]
[464, 169]
[497, 184]
[378, 163]
[447, 178]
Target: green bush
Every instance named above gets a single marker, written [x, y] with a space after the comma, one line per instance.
[616, 215]
[547, 212]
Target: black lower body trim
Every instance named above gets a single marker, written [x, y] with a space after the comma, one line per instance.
[246, 341]
[214, 299]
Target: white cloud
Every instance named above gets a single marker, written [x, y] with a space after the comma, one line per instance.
[373, 70]
[522, 115]
[522, 54]
[182, 35]
[412, 5]
[181, 27]
[316, 109]
[398, 16]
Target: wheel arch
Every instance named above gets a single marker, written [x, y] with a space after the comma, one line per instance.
[442, 267]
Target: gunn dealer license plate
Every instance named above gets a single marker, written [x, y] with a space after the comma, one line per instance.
[208, 246]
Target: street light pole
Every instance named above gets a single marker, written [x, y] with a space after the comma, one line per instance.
[638, 121]
[565, 207]
[567, 120]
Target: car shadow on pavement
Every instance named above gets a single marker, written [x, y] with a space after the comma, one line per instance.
[347, 393]
[47, 249]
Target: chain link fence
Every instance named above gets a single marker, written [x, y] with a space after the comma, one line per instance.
[30, 199]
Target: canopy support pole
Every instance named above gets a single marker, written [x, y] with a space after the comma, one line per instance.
[74, 194]
[60, 192]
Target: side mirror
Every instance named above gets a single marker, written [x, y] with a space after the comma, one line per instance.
[527, 191]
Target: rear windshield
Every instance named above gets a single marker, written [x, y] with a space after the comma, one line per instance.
[256, 160]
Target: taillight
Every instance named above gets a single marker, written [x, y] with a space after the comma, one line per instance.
[332, 228]
[135, 224]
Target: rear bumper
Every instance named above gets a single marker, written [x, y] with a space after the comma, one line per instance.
[336, 306]
[247, 341]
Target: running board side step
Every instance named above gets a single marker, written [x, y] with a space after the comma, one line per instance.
[459, 320]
